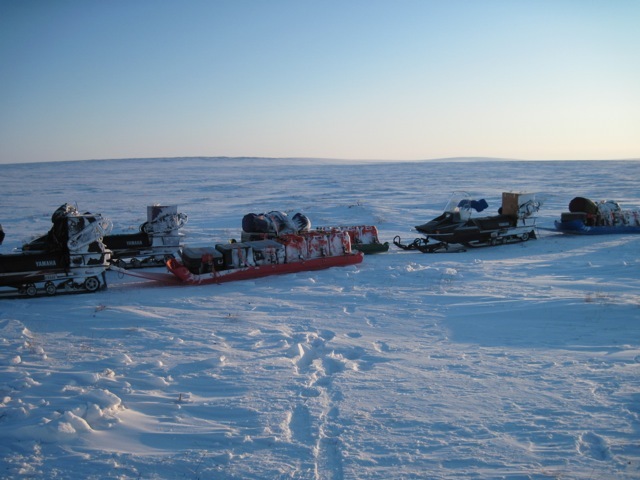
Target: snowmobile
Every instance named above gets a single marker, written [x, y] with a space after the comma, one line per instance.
[157, 240]
[586, 217]
[514, 223]
[271, 225]
[71, 258]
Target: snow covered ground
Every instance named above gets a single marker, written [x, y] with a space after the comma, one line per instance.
[520, 361]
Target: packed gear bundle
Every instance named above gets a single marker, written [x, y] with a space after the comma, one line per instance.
[587, 217]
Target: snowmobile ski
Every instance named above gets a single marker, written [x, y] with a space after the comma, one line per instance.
[423, 245]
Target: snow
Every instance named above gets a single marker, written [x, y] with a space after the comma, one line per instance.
[519, 361]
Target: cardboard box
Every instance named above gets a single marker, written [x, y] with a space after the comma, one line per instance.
[511, 202]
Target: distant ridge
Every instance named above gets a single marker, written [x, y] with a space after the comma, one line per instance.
[326, 161]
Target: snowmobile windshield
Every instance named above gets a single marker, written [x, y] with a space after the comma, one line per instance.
[457, 198]
[462, 203]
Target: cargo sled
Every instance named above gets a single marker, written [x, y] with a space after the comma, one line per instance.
[364, 238]
[71, 258]
[515, 222]
[586, 217]
[287, 253]
[157, 240]
[271, 225]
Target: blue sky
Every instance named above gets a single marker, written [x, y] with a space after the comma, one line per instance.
[352, 79]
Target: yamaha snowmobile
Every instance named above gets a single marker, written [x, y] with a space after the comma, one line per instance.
[586, 217]
[71, 258]
[271, 225]
[156, 242]
[514, 223]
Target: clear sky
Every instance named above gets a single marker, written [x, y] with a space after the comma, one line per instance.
[350, 79]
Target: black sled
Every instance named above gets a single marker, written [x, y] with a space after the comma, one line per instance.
[156, 242]
[456, 226]
[71, 258]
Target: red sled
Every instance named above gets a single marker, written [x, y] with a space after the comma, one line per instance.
[247, 273]
[256, 259]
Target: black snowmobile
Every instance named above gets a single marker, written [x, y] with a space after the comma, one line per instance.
[157, 240]
[456, 226]
[71, 258]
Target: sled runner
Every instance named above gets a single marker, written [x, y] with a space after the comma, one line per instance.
[71, 258]
[157, 240]
[514, 223]
[586, 217]
[288, 253]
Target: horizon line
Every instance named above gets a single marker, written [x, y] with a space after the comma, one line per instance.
[460, 159]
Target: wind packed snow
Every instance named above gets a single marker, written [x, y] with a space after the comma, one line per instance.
[520, 361]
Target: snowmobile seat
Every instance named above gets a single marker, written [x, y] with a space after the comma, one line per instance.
[494, 223]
